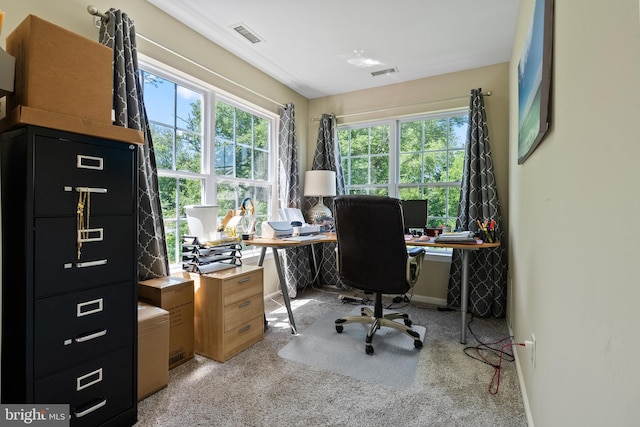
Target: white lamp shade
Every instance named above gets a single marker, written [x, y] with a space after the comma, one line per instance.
[319, 183]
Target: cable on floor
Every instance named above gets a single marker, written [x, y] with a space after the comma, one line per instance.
[482, 350]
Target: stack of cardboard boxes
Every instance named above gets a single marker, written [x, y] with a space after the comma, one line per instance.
[174, 294]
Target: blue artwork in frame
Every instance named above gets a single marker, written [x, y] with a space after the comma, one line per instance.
[534, 80]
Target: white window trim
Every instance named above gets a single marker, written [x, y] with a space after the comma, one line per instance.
[394, 123]
[213, 93]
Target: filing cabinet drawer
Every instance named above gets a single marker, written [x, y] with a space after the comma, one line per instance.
[96, 391]
[241, 287]
[106, 257]
[75, 327]
[60, 167]
[238, 313]
[243, 336]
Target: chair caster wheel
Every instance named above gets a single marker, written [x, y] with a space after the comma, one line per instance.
[368, 349]
[417, 343]
[339, 328]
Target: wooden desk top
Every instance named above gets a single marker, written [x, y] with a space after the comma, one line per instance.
[280, 243]
[331, 238]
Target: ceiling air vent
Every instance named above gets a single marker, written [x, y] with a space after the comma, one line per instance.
[247, 33]
[383, 72]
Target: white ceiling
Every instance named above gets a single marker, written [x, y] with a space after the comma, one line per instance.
[320, 48]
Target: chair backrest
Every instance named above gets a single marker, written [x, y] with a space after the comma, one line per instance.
[372, 253]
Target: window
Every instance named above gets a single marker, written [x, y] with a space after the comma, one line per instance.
[412, 158]
[210, 149]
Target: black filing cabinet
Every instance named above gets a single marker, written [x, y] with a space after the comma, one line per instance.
[69, 278]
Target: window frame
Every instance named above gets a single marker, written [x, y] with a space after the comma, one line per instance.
[207, 175]
[393, 186]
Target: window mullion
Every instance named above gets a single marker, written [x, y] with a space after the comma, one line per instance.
[394, 159]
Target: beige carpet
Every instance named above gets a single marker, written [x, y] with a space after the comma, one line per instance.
[259, 388]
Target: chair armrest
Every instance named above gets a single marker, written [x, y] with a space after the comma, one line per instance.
[414, 264]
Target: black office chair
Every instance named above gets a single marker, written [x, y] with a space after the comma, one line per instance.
[373, 257]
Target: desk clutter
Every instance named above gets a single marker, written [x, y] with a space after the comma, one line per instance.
[456, 237]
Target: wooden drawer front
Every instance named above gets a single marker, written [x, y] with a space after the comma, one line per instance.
[75, 327]
[63, 166]
[101, 388]
[239, 313]
[241, 287]
[109, 260]
[243, 336]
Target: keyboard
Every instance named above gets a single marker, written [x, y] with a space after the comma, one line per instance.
[303, 238]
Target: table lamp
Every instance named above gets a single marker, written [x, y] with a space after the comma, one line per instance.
[319, 183]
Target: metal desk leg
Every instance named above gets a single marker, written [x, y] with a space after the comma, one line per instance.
[285, 292]
[464, 295]
[263, 252]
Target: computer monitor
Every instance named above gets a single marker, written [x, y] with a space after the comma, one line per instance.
[415, 214]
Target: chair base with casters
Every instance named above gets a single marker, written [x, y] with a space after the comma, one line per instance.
[378, 320]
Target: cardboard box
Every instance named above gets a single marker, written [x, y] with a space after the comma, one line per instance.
[174, 294]
[26, 115]
[61, 71]
[153, 349]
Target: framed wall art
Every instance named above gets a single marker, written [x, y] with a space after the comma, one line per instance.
[534, 80]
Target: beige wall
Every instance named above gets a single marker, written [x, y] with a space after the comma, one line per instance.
[422, 96]
[573, 215]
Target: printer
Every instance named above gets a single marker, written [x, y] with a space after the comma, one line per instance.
[280, 229]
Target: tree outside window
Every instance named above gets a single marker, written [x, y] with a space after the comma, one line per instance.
[240, 153]
[413, 158]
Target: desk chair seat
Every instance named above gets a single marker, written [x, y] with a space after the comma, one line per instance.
[373, 257]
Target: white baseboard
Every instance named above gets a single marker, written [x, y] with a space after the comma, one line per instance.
[442, 302]
[523, 390]
[430, 300]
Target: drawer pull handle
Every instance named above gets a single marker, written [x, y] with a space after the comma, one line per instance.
[245, 280]
[89, 307]
[89, 162]
[245, 304]
[91, 336]
[91, 190]
[245, 329]
[91, 263]
[93, 377]
[91, 235]
[90, 409]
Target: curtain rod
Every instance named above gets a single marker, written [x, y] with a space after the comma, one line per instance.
[439, 101]
[94, 11]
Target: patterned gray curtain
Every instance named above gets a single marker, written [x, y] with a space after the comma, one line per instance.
[118, 33]
[296, 260]
[327, 157]
[479, 202]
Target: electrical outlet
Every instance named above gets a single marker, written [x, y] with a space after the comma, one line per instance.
[531, 346]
